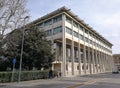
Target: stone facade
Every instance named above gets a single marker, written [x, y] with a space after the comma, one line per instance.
[77, 47]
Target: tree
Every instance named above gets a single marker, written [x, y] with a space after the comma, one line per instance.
[12, 14]
[36, 52]
[11, 49]
[37, 49]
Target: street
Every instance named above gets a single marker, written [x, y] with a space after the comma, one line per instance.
[108, 80]
[104, 80]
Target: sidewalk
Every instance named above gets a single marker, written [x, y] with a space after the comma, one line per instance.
[69, 80]
[28, 83]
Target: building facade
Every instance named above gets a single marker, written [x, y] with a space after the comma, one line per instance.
[77, 47]
[116, 61]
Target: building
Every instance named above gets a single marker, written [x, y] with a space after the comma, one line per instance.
[77, 47]
[116, 61]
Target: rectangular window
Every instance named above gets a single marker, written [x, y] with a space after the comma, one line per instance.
[40, 25]
[97, 45]
[68, 30]
[57, 19]
[69, 20]
[94, 36]
[81, 37]
[76, 34]
[90, 41]
[86, 39]
[48, 32]
[91, 35]
[57, 30]
[75, 24]
[94, 43]
[48, 22]
[86, 31]
[81, 28]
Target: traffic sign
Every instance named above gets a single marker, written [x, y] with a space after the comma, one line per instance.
[14, 61]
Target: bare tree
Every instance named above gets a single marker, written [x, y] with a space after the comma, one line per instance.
[12, 14]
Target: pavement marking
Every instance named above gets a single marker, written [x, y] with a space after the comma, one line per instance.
[84, 83]
[76, 85]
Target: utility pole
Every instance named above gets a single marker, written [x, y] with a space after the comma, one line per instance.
[21, 55]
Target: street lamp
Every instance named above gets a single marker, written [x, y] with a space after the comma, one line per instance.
[20, 65]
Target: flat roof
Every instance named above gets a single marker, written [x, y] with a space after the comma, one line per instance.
[116, 54]
[68, 11]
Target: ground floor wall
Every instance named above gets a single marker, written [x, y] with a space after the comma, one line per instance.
[77, 59]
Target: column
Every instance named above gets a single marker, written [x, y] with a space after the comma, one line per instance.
[96, 61]
[52, 47]
[72, 48]
[89, 57]
[79, 58]
[102, 57]
[84, 53]
[93, 61]
[79, 53]
[100, 62]
[63, 47]
[104, 62]
[109, 68]
[109, 62]
[84, 59]
[107, 65]
[89, 61]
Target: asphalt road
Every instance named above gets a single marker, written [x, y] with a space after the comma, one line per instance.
[101, 85]
[106, 80]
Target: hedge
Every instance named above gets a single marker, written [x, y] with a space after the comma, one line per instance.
[25, 75]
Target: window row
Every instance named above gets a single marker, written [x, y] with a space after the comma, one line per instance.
[69, 31]
[55, 31]
[75, 24]
[93, 43]
[49, 22]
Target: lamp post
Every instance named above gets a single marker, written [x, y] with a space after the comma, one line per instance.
[20, 65]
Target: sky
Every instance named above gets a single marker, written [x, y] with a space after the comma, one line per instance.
[102, 15]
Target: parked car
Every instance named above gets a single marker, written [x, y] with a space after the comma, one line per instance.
[115, 70]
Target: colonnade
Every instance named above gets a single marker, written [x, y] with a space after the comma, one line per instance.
[90, 61]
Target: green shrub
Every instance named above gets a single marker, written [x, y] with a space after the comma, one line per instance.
[5, 76]
[25, 75]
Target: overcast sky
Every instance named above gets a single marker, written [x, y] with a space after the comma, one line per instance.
[102, 15]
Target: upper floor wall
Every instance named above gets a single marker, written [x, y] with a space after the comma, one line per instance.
[53, 26]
